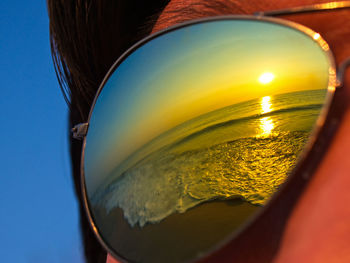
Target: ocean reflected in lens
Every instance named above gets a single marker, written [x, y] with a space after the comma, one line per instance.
[227, 153]
[235, 154]
[266, 126]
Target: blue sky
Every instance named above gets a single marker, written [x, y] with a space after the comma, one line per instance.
[38, 209]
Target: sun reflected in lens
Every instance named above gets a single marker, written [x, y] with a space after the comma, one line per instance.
[266, 78]
[266, 104]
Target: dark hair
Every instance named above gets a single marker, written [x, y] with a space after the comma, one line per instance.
[86, 38]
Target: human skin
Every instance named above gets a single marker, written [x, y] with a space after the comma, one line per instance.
[318, 227]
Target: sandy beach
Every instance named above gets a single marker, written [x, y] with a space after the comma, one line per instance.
[177, 238]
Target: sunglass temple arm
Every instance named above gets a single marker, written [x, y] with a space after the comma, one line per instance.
[307, 9]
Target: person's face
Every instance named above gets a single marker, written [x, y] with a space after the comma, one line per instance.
[318, 228]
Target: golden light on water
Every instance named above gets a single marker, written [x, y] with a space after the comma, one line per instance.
[266, 123]
[266, 78]
[266, 126]
[266, 104]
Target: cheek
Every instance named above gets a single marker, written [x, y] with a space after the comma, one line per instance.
[110, 259]
[347, 82]
[319, 229]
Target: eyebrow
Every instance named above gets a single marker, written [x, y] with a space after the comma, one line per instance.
[181, 12]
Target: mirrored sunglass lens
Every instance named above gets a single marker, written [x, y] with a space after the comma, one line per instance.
[195, 130]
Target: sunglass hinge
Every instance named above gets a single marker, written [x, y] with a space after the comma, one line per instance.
[341, 72]
[79, 131]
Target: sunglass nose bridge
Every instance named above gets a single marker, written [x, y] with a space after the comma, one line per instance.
[341, 72]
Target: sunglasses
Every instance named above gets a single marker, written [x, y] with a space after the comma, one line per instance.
[194, 128]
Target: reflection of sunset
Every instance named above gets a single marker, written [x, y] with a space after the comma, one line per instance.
[212, 66]
[266, 126]
[266, 104]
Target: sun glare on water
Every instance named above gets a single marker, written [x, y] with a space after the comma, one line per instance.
[266, 123]
[266, 104]
[266, 77]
